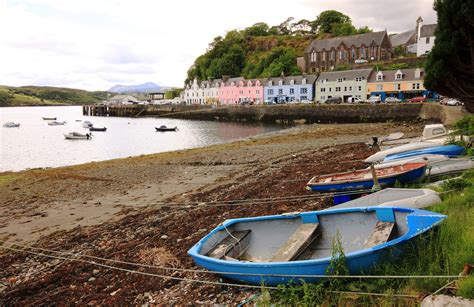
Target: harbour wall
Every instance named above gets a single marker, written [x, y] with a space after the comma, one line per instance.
[311, 113]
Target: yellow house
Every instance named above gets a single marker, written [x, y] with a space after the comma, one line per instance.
[402, 83]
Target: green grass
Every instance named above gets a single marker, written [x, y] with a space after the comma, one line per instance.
[442, 251]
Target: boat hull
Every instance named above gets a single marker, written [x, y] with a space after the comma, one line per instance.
[451, 151]
[408, 177]
[97, 129]
[166, 129]
[358, 262]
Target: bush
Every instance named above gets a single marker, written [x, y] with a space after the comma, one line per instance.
[466, 287]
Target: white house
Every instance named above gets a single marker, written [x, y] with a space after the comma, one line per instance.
[203, 92]
[426, 37]
[345, 84]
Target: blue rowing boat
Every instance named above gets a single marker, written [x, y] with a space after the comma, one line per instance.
[451, 151]
[279, 249]
[362, 179]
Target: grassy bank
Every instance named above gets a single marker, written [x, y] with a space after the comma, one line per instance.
[443, 251]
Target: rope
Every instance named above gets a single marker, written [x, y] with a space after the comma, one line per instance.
[230, 273]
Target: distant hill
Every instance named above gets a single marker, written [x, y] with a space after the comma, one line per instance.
[46, 95]
[148, 87]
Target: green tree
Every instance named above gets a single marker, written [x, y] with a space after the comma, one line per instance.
[450, 64]
[258, 29]
[326, 20]
[343, 29]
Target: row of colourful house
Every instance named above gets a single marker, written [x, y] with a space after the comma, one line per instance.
[360, 84]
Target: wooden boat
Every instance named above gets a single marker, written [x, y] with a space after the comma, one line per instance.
[11, 125]
[86, 124]
[362, 179]
[49, 118]
[250, 250]
[163, 128]
[92, 128]
[451, 151]
[56, 123]
[391, 197]
[77, 136]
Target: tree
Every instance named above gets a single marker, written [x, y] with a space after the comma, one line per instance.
[326, 20]
[285, 27]
[302, 27]
[343, 29]
[258, 29]
[450, 64]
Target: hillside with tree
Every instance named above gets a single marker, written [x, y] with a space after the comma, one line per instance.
[261, 50]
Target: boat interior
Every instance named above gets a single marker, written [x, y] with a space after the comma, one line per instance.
[303, 237]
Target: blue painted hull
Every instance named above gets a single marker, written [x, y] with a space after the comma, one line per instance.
[408, 177]
[256, 273]
[451, 151]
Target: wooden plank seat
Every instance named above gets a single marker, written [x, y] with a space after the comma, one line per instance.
[304, 235]
[232, 246]
[381, 234]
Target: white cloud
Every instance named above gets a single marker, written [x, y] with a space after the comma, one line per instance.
[94, 44]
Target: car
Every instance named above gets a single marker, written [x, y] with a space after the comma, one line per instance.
[336, 100]
[354, 100]
[360, 61]
[453, 102]
[417, 99]
[392, 99]
[374, 99]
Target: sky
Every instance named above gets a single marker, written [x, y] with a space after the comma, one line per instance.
[96, 44]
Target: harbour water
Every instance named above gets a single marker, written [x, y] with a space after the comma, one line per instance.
[35, 144]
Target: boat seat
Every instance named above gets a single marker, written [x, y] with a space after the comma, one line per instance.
[304, 235]
[381, 234]
[232, 246]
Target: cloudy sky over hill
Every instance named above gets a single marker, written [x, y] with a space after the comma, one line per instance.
[93, 44]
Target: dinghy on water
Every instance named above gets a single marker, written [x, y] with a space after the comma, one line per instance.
[49, 118]
[11, 125]
[163, 128]
[78, 136]
[249, 250]
[362, 179]
[451, 151]
[56, 123]
[391, 197]
[100, 129]
[86, 124]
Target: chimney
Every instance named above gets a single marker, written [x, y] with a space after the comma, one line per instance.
[419, 24]
[225, 77]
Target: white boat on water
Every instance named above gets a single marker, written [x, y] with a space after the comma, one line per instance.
[87, 124]
[56, 123]
[402, 198]
[77, 136]
[11, 125]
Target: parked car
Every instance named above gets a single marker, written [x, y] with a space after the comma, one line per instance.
[392, 99]
[360, 61]
[453, 102]
[417, 99]
[375, 99]
[354, 100]
[333, 100]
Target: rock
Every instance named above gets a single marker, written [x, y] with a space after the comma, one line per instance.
[164, 237]
[179, 240]
[95, 272]
[92, 279]
[445, 300]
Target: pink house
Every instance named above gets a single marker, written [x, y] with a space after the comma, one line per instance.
[228, 91]
[251, 91]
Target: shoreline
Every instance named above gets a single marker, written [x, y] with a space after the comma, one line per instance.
[129, 210]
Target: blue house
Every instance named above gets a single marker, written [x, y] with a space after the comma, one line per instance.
[289, 89]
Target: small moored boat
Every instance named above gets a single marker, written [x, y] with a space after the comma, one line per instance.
[164, 128]
[77, 136]
[11, 125]
[362, 179]
[100, 129]
[249, 250]
[381, 155]
[86, 124]
[56, 123]
[49, 118]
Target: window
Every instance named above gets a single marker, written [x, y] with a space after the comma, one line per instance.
[323, 90]
[379, 87]
[362, 52]
[303, 90]
[280, 91]
[292, 91]
[280, 83]
[341, 54]
[333, 55]
[303, 82]
[398, 76]
[292, 82]
[416, 86]
[396, 86]
[338, 89]
[324, 55]
[359, 88]
[339, 80]
[330, 89]
[323, 97]
[353, 53]
[270, 92]
[350, 88]
[380, 76]
[313, 56]
[427, 40]
[345, 88]
[303, 98]
[241, 92]
[257, 91]
[270, 83]
[358, 79]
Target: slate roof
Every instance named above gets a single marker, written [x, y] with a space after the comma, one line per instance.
[402, 38]
[389, 75]
[427, 30]
[310, 79]
[332, 76]
[356, 40]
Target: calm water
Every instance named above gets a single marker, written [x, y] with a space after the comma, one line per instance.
[35, 144]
